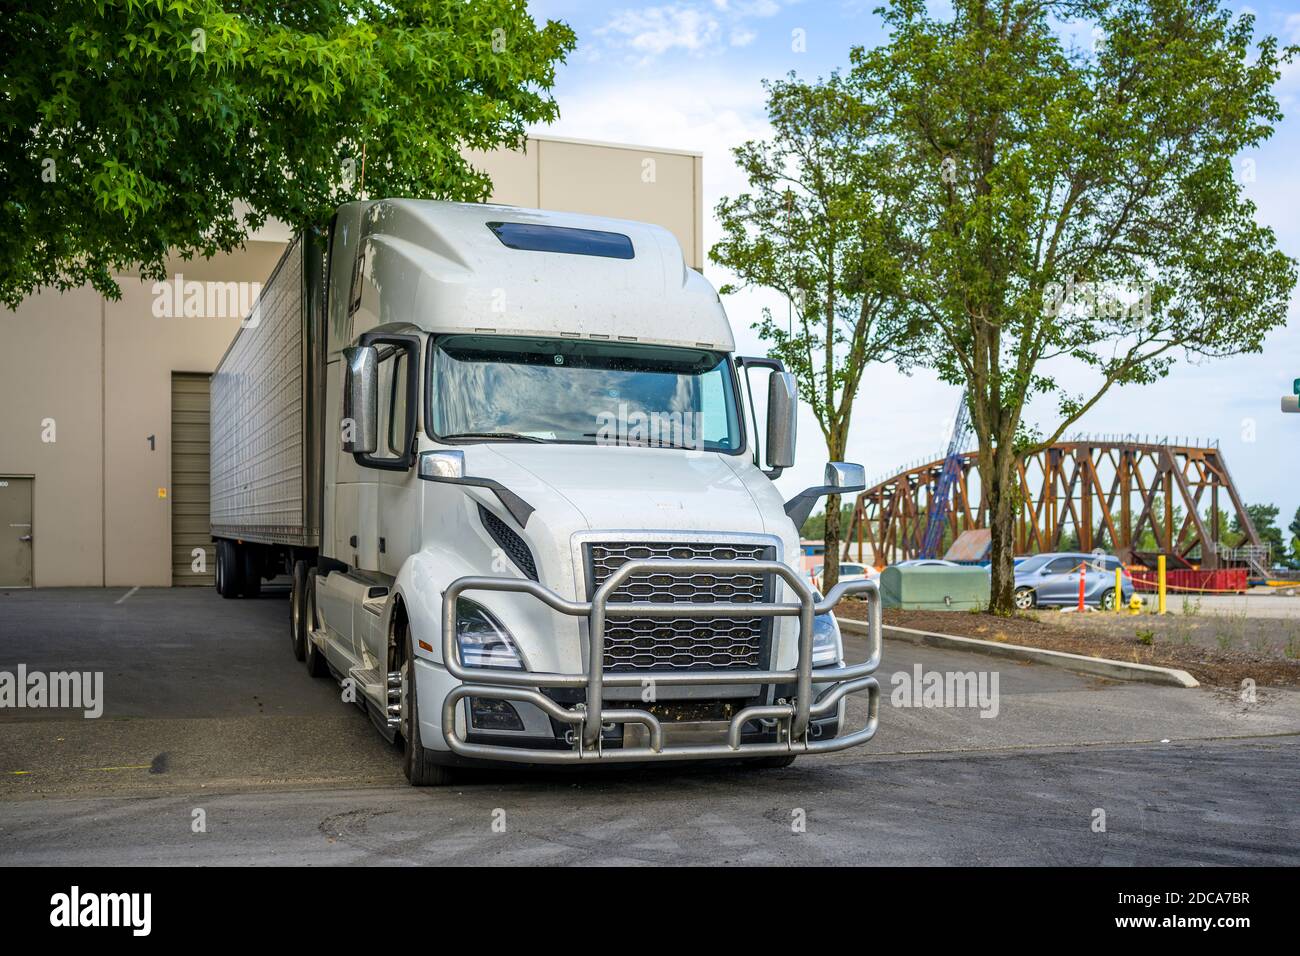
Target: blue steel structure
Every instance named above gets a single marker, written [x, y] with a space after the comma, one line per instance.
[938, 507]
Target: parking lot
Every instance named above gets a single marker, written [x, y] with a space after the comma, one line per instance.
[207, 716]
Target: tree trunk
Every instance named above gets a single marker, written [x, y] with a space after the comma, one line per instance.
[1003, 530]
[831, 540]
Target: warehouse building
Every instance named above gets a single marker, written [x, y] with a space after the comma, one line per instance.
[104, 404]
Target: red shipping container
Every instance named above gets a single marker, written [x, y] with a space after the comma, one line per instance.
[1184, 580]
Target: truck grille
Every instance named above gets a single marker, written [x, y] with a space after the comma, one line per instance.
[719, 643]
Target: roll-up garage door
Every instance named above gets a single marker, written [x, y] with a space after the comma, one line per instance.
[191, 527]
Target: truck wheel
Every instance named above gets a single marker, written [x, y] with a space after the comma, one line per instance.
[227, 569]
[251, 572]
[1025, 599]
[417, 764]
[297, 597]
[311, 654]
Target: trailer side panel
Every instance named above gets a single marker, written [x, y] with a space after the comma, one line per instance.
[262, 439]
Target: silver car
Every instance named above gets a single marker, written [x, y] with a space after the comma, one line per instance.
[1051, 580]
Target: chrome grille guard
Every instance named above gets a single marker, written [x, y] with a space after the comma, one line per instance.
[793, 717]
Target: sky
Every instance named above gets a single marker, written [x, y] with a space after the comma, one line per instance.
[687, 75]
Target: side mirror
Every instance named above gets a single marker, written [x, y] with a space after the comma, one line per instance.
[782, 417]
[840, 478]
[845, 476]
[442, 465]
[361, 400]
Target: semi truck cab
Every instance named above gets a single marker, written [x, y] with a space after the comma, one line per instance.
[548, 529]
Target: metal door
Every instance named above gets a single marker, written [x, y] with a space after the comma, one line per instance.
[15, 532]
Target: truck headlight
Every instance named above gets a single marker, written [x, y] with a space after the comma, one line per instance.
[482, 640]
[826, 640]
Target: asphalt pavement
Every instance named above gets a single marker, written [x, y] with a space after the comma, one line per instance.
[208, 717]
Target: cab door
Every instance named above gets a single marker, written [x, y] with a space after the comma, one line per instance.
[398, 506]
[389, 522]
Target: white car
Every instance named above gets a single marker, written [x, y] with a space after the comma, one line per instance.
[848, 572]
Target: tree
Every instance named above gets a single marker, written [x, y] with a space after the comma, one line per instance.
[1076, 208]
[1147, 540]
[1294, 528]
[815, 526]
[819, 225]
[1264, 518]
[134, 129]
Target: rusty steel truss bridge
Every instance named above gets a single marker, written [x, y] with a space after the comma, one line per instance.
[1106, 492]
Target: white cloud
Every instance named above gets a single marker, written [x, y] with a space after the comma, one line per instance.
[655, 30]
[707, 110]
[691, 27]
[1291, 28]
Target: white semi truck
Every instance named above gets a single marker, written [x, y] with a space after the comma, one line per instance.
[514, 469]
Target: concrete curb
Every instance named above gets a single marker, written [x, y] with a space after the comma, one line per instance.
[1099, 666]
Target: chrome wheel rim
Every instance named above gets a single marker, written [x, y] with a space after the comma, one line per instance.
[295, 617]
[405, 705]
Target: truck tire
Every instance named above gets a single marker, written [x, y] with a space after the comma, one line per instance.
[297, 603]
[417, 762]
[250, 585]
[311, 654]
[228, 569]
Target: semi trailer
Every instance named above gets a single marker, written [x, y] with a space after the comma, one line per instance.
[513, 468]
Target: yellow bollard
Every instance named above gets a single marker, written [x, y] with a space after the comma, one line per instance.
[1119, 591]
[1160, 584]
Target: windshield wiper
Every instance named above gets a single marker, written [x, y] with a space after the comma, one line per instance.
[647, 443]
[503, 436]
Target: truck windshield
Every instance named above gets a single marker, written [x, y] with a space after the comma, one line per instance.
[488, 387]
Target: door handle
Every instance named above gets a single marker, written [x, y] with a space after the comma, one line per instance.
[24, 537]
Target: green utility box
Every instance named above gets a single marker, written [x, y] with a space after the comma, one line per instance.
[934, 588]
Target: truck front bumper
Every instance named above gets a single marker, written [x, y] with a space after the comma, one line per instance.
[798, 724]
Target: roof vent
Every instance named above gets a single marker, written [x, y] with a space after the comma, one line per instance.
[533, 237]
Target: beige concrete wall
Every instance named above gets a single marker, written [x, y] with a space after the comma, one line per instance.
[140, 353]
[50, 369]
[102, 369]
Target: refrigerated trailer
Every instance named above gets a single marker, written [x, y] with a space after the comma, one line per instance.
[268, 428]
[514, 470]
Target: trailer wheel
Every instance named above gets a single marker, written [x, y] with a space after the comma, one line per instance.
[417, 764]
[227, 569]
[251, 571]
[311, 654]
[297, 620]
